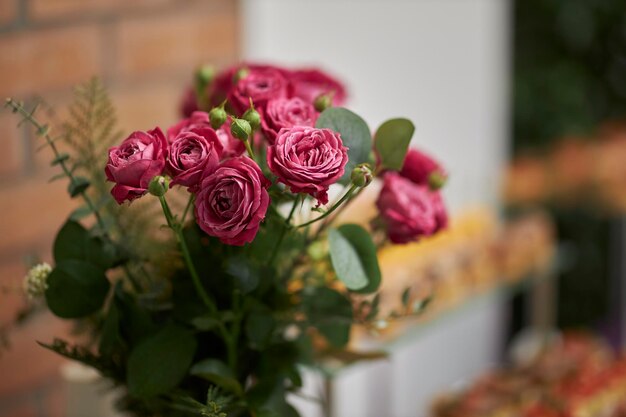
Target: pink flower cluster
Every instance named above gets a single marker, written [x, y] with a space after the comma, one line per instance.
[231, 191]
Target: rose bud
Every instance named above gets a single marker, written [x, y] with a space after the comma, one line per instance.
[310, 84]
[240, 129]
[204, 76]
[232, 201]
[422, 169]
[240, 74]
[285, 113]
[158, 186]
[361, 175]
[322, 102]
[260, 85]
[232, 146]
[410, 211]
[308, 160]
[133, 164]
[252, 116]
[191, 155]
[218, 116]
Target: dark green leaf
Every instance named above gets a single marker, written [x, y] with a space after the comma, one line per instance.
[259, 327]
[392, 142]
[61, 158]
[354, 133]
[57, 177]
[160, 362]
[76, 289]
[110, 337]
[353, 256]
[331, 313]
[77, 186]
[219, 373]
[246, 276]
[80, 213]
[74, 242]
[205, 323]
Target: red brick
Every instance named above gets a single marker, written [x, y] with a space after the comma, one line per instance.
[8, 11]
[33, 211]
[175, 42]
[33, 62]
[12, 155]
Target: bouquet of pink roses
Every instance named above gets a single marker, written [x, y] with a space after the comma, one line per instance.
[245, 274]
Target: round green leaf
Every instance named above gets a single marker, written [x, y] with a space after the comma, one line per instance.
[353, 256]
[219, 373]
[355, 135]
[392, 142]
[74, 242]
[160, 362]
[76, 289]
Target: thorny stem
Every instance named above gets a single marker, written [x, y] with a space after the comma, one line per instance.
[44, 131]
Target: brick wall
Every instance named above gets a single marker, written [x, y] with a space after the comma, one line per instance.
[145, 51]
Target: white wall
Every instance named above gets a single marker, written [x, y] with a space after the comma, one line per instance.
[443, 64]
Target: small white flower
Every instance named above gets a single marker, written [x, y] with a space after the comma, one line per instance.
[36, 280]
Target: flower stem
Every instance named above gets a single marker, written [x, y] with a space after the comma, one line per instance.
[178, 232]
[346, 196]
[284, 230]
[192, 198]
[249, 148]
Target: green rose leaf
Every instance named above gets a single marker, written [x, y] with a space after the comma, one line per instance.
[355, 134]
[160, 362]
[218, 373]
[353, 256]
[392, 142]
[74, 242]
[76, 289]
[259, 327]
[331, 313]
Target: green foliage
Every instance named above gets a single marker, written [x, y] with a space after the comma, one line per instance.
[76, 289]
[103, 364]
[219, 373]
[353, 256]
[160, 362]
[74, 242]
[392, 142]
[355, 135]
[330, 312]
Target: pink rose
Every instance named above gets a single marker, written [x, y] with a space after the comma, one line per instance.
[190, 155]
[310, 83]
[421, 168]
[232, 146]
[409, 210]
[308, 160]
[188, 103]
[232, 201]
[132, 165]
[286, 112]
[261, 85]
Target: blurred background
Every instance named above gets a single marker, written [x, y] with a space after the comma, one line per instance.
[522, 100]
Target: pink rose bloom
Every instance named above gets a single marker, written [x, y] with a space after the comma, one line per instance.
[409, 210]
[308, 160]
[308, 84]
[188, 103]
[192, 154]
[132, 165]
[420, 168]
[286, 112]
[233, 147]
[261, 85]
[232, 201]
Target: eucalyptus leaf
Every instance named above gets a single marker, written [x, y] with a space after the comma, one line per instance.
[392, 142]
[355, 135]
[76, 289]
[160, 362]
[74, 242]
[219, 373]
[353, 256]
[78, 186]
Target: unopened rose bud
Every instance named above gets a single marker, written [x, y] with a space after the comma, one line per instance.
[218, 116]
[158, 186]
[240, 129]
[36, 280]
[253, 117]
[322, 102]
[205, 75]
[362, 175]
[437, 180]
[240, 74]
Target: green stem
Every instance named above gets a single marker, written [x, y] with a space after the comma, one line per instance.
[333, 208]
[187, 256]
[249, 148]
[43, 130]
[284, 230]
[189, 204]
